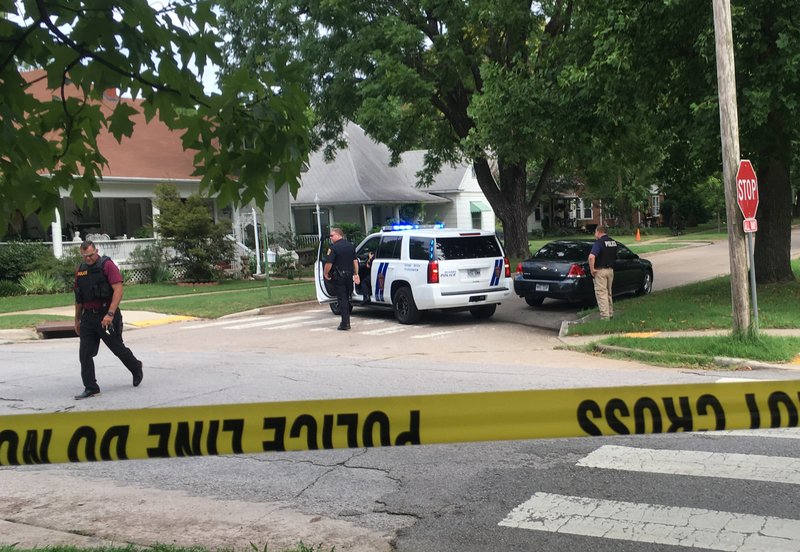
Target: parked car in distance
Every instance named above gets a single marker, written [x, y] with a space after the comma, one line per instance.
[560, 270]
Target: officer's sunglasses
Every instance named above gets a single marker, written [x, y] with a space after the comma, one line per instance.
[89, 256]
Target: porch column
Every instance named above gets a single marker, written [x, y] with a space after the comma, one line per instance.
[58, 246]
[367, 221]
[156, 212]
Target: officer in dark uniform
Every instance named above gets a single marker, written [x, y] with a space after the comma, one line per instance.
[342, 268]
[98, 292]
[601, 264]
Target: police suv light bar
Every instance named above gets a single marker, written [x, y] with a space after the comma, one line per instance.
[396, 227]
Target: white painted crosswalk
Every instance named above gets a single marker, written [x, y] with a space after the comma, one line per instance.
[754, 467]
[324, 321]
[654, 523]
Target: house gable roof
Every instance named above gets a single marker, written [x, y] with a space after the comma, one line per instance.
[152, 152]
[359, 174]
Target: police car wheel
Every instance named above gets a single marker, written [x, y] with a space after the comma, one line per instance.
[647, 284]
[336, 310]
[405, 310]
[484, 311]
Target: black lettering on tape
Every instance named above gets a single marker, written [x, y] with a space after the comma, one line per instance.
[774, 402]
[118, 434]
[308, 422]
[410, 437]
[350, 421]
[585, 408]
[327, 431]
[161, 450]
[183, 447]
[612, 407]
[278, 425]
[10, 439]
[236, 427]
[642, 405]
[31, 452]
[752, 407]
[382, 421]
[211, 438]
[682, 421]
[87, 436]
[710, 401]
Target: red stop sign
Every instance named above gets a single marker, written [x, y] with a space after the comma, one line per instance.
[747, 189]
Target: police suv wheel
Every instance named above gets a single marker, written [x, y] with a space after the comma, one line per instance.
[484, 311]
[405, 310]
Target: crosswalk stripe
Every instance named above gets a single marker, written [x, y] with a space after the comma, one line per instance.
[435, 334]
[215, 323]
[695, 463]
[267, 322]
[780, 433]
[385, 331]
[652, 523]
[293, 325]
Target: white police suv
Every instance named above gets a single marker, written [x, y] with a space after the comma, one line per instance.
[415, 268]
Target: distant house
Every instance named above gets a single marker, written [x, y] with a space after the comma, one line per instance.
[360, 187]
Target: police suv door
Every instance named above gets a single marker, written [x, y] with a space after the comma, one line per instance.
[384, 266]
[325, 291]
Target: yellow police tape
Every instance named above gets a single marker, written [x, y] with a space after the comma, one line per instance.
[391, 421]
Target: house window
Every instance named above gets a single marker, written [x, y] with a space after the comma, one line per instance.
[655, 205]
[582, 210]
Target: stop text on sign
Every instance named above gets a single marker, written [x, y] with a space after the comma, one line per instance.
[746, 189]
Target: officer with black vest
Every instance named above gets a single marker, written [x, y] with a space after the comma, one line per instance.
[342, 267]
[601, 265]
[98, 292]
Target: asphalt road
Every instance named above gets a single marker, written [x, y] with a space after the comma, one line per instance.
[474, 496]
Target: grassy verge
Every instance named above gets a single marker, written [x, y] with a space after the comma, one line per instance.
[214, 305]
[135, 292]
[17, 321]
[701, 306]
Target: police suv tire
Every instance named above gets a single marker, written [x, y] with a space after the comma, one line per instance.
[336, 310]
[405, 309]
[534, 301]
[483, 312]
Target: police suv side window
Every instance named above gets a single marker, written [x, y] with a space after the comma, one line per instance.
[420, 249]
[371, 245]
[389, 247]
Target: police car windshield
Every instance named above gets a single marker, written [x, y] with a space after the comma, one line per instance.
[467, 247]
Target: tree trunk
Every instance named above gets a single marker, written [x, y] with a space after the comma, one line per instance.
[774, 236]
[509, 201]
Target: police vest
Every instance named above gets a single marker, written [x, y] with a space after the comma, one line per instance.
[91, 282]
[608, 253]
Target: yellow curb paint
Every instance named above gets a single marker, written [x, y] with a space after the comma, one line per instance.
[162, 321]
[641, 334]
[796, 360]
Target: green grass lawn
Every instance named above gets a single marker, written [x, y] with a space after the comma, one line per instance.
[135, 292]
[17, 321]
[702, 306]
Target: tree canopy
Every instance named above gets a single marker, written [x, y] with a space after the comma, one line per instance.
[252, 131]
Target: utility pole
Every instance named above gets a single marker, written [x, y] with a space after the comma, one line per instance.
[729, 132]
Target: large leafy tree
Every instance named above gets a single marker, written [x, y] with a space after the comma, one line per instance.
[465, 80]
[676, 73]
[254, 130]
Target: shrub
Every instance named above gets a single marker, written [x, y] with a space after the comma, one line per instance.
[353, 232]
[63, 269]
[154, 259]
[17, 258]
[9, 288]
[39, 283]
[188, 227]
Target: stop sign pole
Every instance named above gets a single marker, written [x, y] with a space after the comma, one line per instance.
[747, 198]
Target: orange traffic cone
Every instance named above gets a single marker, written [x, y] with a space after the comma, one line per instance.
[638, 236]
